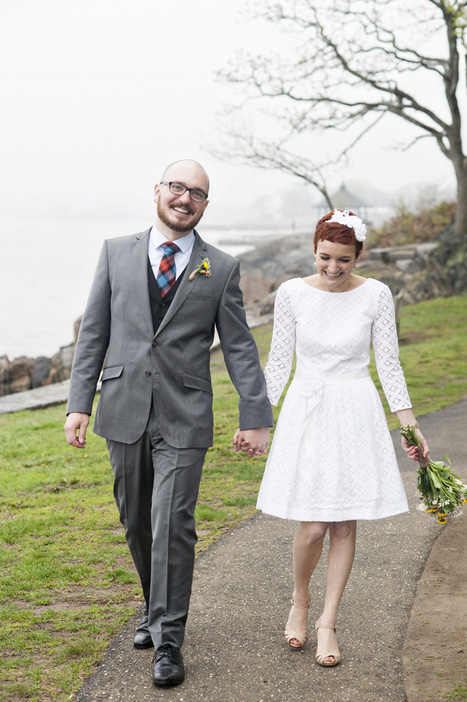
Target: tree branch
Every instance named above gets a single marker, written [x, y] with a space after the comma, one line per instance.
[354, 62]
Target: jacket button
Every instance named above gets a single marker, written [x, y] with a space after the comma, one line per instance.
[147, 372]
[154, 343]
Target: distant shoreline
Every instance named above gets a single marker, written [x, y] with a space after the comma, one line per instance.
[53, 274]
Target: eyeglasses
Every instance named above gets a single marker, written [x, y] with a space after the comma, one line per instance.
[196, 194]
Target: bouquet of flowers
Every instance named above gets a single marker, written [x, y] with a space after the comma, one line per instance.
[441, 491]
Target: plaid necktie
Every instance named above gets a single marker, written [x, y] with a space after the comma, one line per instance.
[166, 276]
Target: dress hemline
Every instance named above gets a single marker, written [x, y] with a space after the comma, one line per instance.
[356, 515]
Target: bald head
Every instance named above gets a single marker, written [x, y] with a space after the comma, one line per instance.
[187, 169]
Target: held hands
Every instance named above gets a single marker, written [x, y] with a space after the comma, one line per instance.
[254, 441]
[76, 423]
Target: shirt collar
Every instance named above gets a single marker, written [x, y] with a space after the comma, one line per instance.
[184, 243]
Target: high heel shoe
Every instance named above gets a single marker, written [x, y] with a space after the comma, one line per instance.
[296, 638]
[332, 652]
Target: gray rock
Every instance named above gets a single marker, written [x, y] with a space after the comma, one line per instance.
[278, 260]
[61, 364]
[41, 373]
[4, 379]
[23, 373]
[393, 253]
[20, 373]
[423, 251]
[255, 287]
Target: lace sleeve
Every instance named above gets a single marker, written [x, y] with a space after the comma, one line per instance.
[386, 348]
[280, 359]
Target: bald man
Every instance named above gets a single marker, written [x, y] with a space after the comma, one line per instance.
[155, 303]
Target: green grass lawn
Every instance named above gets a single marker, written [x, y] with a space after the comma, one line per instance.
[67, 582]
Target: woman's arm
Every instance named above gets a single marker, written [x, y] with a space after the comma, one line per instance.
[386, 348]
[282, 350]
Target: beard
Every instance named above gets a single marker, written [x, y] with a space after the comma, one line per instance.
[174, 226]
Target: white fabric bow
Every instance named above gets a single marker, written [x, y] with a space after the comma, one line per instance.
[314, 394]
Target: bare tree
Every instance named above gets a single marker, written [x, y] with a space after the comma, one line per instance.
[355, 63]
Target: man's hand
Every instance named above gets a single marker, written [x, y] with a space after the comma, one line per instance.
[254, 441]
[75, 429]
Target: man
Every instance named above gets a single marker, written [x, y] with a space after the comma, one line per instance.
[156, 300]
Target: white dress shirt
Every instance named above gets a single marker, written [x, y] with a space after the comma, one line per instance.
[156, 251]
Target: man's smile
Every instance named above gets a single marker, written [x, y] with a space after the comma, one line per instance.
[182, 209]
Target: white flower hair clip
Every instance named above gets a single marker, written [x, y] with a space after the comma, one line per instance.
[351, 221]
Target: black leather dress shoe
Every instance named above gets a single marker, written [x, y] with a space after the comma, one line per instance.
[169, 668]
[143, 637]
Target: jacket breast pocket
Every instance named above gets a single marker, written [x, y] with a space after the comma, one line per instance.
[111, 372]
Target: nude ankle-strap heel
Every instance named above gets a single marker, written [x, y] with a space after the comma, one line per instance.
[296, 638]
[332, 652]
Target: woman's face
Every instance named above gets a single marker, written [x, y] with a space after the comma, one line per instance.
[334, 264]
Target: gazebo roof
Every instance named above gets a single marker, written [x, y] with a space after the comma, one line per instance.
[345, 200]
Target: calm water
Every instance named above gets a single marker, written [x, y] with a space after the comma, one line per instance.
[46, 269]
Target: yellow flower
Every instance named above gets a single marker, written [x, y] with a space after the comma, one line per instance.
[204, 268]
[441, 521]
[441, 514]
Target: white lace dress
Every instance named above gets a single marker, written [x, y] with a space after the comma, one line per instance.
[332, 457]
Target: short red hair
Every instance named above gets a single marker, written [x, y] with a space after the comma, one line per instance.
[338, 233]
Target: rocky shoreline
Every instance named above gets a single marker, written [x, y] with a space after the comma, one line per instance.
[414, 273]
[25, 373]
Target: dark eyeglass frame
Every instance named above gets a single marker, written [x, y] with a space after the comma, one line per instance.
[183, 190]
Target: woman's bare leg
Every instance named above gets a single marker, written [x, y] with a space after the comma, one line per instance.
[307, 549]
[342, 538]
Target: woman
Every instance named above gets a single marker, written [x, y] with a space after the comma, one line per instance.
[332, 460]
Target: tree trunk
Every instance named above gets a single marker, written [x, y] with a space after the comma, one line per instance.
[460, 226]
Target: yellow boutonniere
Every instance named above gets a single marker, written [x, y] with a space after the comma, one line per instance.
[204, 268]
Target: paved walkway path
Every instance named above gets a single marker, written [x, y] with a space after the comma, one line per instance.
[38, 398]
[234, 649]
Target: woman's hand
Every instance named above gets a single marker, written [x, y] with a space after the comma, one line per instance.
[412, 451]
[406, 417]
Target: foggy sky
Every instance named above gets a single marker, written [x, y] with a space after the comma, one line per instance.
[98, 96]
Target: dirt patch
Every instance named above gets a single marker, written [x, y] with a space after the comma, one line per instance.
[76, 600]
[411, 337]
[435, 650]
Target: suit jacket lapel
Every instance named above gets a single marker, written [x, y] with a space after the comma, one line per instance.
[186, 286]
[139, 270]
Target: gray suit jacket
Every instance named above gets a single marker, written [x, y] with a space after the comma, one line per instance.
[172, 367]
